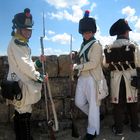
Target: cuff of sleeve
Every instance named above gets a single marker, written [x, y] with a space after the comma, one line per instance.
[38, 64]
[40, 79]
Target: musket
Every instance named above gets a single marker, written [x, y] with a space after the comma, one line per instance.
[52, 125]
[74, 127]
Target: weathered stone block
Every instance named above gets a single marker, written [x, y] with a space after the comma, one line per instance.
[65, 67]
[52, 65]
[60, 86]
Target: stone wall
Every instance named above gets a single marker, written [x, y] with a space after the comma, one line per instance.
[59, 70]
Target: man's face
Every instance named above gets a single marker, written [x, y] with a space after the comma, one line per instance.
[26, 33]
[87, 35]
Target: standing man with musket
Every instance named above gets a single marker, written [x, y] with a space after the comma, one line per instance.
[122, 58]
[90, 75]
[23, 70]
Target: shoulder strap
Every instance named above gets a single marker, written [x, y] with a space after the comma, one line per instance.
[86, 47]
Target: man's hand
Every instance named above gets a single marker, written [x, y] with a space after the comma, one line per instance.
[43, 78]
[42, 58]
[78, 67]
[46, 78]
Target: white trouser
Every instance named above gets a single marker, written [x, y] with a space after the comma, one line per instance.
[85, 99]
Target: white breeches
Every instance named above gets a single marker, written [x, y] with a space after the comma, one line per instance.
[85, 99]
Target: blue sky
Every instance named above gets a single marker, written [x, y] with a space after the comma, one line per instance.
[61, 20]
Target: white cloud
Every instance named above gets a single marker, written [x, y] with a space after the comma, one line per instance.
[137, 25]
[46, 38]
[59, 15]
[51, 51]
[135, 20]
[93, 5]
[135, 36]
[51, 32]
[75, 16]
[130, 13]
[104, 40]
[63, 39]
[67, 3]
[75, 12]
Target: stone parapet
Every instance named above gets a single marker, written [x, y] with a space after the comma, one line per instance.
[59, 69]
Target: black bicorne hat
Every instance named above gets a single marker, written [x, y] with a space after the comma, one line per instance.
[119, 27]
[87, 24]
[23, 20]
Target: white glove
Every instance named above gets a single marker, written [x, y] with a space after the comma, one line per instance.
[78, 67]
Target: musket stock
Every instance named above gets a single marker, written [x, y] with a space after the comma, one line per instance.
[46, 88]
[74, 127]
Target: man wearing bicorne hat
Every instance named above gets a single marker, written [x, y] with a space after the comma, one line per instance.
[122, 58]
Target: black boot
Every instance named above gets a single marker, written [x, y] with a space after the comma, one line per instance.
[24, 124]
[16, 126]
